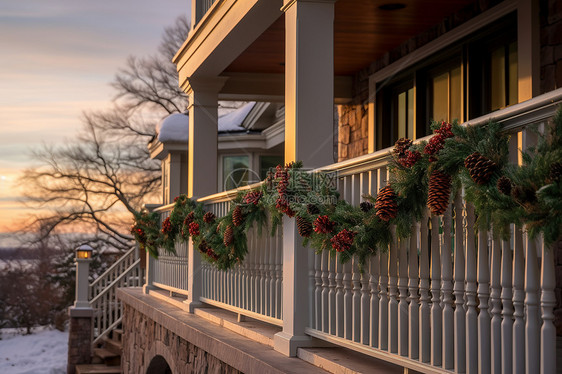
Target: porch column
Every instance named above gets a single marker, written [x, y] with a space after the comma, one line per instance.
[202, 164]
[309, 116]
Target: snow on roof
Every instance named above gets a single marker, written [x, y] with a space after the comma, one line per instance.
[232, 122]
[174, 128]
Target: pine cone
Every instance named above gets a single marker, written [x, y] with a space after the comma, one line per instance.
[366, 206]
[228, 236]
[385, 205]
[253, 197]
[439, 192]
[401, 146]
[237, 217]
[194, 229]
[323, 225]
[209, 217]
[304, 227]
[524, 195]
[312, 209]
[343, 240]
[555, 172]
[188, 219]
[504, 185]
[203, 247]
[480, 168]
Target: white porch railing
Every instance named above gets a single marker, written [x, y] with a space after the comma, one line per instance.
[447, 298]
[253, 288]
[444, 300]
[169, 271]
[108, 311]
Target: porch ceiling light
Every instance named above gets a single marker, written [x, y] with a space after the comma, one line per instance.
[392, 6]
[84, 252]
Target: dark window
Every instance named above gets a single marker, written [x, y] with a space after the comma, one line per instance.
[474, 77]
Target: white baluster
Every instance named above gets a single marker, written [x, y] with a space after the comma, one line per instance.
[317, 309]
[263, 273]
[393, 294]
[403, 342]
[458, 290]
[413, 324]
[279, 273]
[548, 302]
[383, 303]
[271, 276]
[365, 303]
[356, 301]
[447, 292]
[332, 294]
[471, 288]
[339, 298]
[507, 310]
[425, 310]
[324, 325]
[532, 338]
[496, 306]
[483, 295]
[244, 284]
[312, 297]
[436, 312]
[347, 301]
[374, 300]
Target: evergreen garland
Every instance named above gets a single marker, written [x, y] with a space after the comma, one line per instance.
[474, 157]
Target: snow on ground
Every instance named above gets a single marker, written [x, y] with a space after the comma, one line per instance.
[43, 352]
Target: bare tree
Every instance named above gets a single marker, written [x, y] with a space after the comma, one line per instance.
[152, 82]
[96, 182]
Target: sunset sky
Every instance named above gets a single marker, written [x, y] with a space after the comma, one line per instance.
[57, 58]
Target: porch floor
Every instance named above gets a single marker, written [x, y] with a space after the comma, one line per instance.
[246, 345]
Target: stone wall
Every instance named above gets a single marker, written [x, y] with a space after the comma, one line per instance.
[551, 45]
[79, 342]
[144, 339]
[353, 131]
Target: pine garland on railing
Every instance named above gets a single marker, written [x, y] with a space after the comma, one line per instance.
[422, 174]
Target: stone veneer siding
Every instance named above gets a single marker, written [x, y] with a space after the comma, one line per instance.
[79, 342]
[353, 131]
[143, 337]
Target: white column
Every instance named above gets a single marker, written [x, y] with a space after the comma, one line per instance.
[295, 292]
[82, 284]
[309, 81]
[202, 164]
[309, 111]
[173, 177]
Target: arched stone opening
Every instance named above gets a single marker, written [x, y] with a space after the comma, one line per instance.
[158, 365]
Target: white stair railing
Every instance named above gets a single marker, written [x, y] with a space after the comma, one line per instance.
[108, 311]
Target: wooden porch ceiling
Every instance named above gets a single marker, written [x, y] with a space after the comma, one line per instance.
[363, 33]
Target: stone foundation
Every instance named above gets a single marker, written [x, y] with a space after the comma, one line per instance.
[79, 338]
[144, 339]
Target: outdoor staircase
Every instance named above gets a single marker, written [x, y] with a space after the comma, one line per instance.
[107, 357]
[107, 344]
